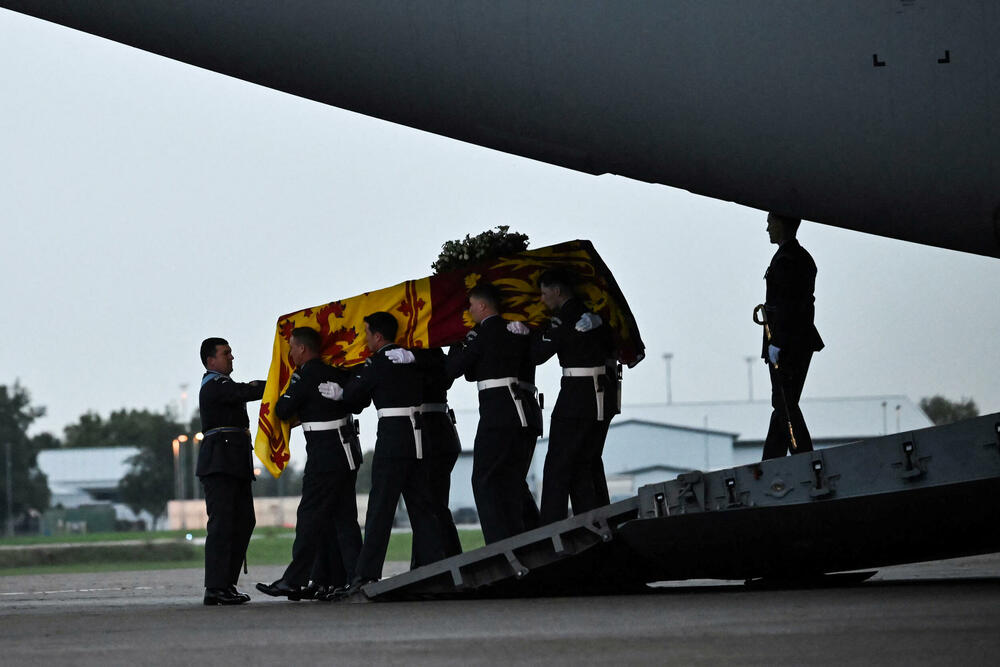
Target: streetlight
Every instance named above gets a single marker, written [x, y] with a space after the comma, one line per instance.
[667, 356]
[750, 361]
[10, 491]
[195, 446]
[176, 446]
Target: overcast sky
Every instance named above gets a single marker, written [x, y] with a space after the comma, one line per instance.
[147, 204]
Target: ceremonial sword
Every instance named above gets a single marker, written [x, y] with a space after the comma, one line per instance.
[781, 385]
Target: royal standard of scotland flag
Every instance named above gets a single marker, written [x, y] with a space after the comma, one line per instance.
[432, 313]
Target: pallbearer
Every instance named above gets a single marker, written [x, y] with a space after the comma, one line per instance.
[225, 469]
[396, 389]
[327, 535]
[574, 470]
[498, 361]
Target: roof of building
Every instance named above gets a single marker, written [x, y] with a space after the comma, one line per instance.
[828, 418]
[85, 467]
[654, 468]
[623, 420]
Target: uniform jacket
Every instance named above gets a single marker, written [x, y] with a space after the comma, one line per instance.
[387, 385]
[489, 351]
[575, 349]
[302, 401]
[223, 403]
[790, 304]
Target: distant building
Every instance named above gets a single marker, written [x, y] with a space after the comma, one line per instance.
[89, 476]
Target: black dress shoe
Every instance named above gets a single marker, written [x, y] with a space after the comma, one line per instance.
[345, 592]
[235, 591]
[308, 592]
[216, 596]
[316, 592]
[281, 588]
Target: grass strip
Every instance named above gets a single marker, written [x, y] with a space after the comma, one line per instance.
[269, 547]
[96, 553]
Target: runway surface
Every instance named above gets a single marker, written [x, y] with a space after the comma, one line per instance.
[947, 612]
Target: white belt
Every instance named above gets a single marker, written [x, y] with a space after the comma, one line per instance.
[335, 425]
[493, 384]
[594, 372]
[412, 413]
[584, 372]
[326, 426]
[510, 383]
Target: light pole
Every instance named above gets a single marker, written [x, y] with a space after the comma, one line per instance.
[10, 491]
[176, 446]
[750, 361]
[667, 356]
[195, 446]
[178, 480]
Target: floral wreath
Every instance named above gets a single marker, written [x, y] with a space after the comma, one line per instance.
[473, 249]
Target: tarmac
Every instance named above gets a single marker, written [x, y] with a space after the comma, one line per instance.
[943, 612]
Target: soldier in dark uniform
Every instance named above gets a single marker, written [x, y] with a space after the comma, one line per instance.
[327, 535]
[790, 309]
[397, 392]
[574, 470]
[498, 361]
[225, 469]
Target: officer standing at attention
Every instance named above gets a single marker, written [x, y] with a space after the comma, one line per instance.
[790, 309]
[225, 469]
[587, 399]
[326, 529]
[397, 391]
[509, 417]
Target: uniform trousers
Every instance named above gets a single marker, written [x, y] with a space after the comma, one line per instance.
[327, 535]
[393, 477]
[229, 503]
[596, 464]
[791, 376]
[439, 469]
[498, 481]
[573, 468]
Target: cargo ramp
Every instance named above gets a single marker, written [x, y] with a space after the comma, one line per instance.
[922, 495]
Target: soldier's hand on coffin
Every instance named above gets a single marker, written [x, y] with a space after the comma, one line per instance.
[399, 355]
[588, 322]
[331, 390]
[773, 351]
[518, 328]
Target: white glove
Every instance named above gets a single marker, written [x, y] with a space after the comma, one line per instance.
[772, 353]
[518, 328]
[331, 390]
[400, 355]
[588, 321]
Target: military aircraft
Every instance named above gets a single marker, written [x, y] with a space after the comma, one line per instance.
[873, 116]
